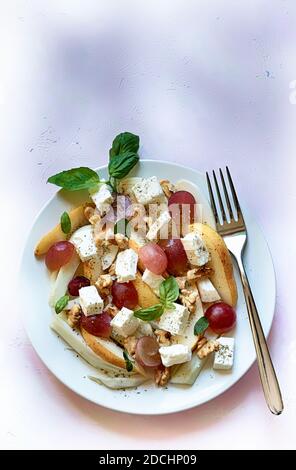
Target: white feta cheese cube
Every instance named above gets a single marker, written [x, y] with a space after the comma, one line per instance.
[223, 358]
[159, 228]
[153, 280]
[108, 256]
[148, 191]
[72, 302]
[126, 265]
[195, 248]
[207, 291]
[174, 320]
[124, 323]
[174, 354]
[84, 242]
[90, 300]
[102, 198]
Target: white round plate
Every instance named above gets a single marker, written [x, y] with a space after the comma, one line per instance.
[73, 371]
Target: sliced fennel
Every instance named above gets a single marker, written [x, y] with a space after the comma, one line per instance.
[117, 382]
[75, 340]
[188, 372]
[63, 278]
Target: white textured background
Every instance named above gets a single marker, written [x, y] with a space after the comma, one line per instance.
[202, 82]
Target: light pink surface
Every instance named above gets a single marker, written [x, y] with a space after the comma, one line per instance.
[204, 84]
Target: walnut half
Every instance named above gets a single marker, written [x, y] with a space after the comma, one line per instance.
[163, 337]
[74, 316]
[206, 347]
[104, 285]
[162, 376]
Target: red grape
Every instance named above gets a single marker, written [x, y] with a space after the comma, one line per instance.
[76, 284]
[176, 256]
[147, 352]
[180, 201]
[124, 294]
[153, 258]
[97, 325]
[59, 254]
[221, 316]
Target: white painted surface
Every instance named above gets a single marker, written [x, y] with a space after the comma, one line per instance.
[204, 84]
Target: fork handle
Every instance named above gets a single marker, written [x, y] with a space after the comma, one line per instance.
[267, 373]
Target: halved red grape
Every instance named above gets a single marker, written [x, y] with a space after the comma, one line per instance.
[147, 352]
[76, 284]
[58, 255]
[153, 258]
[97, 325]
[124, 294]
[176, 256]
[221, 316]
[182, 202]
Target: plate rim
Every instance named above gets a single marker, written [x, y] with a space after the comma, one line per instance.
[189, 405]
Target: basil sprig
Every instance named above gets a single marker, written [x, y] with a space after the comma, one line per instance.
[61, 303]
[169, 292]
[128, 363]
[120, 165]
[124, 142]
[65, 223]
[76, 179]
[201, 325]
[123, 157]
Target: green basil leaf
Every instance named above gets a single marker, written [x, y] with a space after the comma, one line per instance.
[168, 291]
[201, 325]
[128, 363]
[65, 223]
[76, 179]
[124, 142]
[120, 165]
[61, 303]
[149, 313]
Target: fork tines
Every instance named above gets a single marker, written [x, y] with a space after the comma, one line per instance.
[228, 195]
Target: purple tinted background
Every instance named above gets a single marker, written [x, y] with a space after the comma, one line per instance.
[204, 84]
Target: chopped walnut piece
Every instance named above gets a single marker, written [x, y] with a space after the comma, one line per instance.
[188, 298]
[163, 337]
[111, 310]
[112, 269]
[162, 376]
[89, 212]
[74, 316]
[130, 345]
[104, 284]
[167, 187]
[121, 241]
[181, 281]
[206, 347]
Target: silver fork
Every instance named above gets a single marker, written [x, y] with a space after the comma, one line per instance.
[234, 233]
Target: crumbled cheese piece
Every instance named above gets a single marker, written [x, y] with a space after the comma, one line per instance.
[207, 291]
[102, 198]
[195, 248]
[124, 323]
[174, 320]
[148, 191]
[126, 265]
[84, 242]
[90, 301]
[153, 280]
[175, 354]
[159, 228]
[223, 358]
